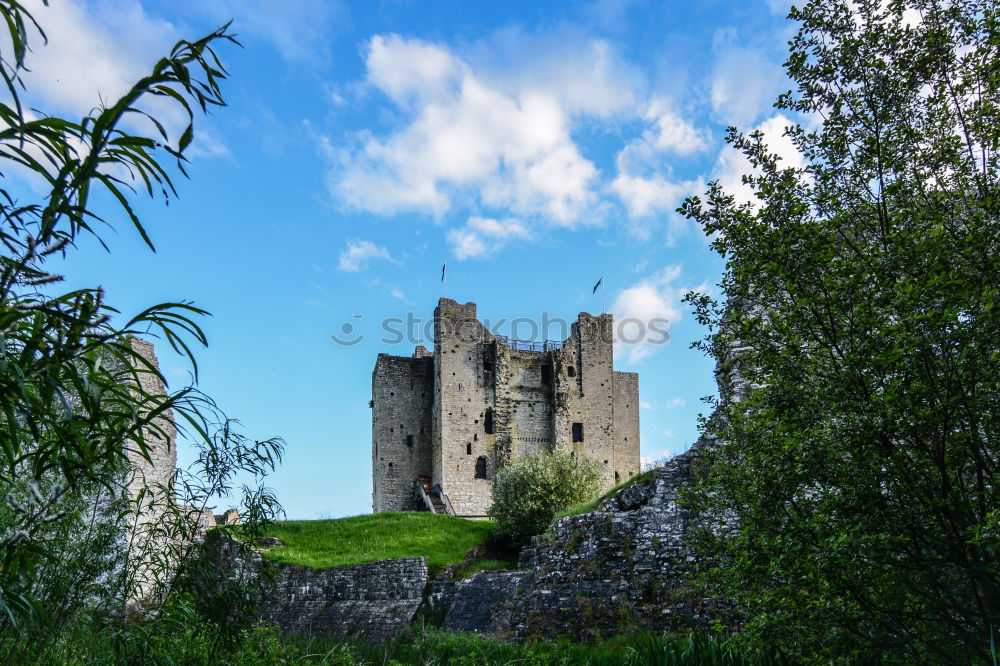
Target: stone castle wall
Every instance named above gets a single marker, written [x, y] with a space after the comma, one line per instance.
[159, 470]
[618, 570]
[402, 397]
[375, 600]
[463, 391]
[530, 424]
[625, 427]
[149, 484]
[584, 391]
[492, 404]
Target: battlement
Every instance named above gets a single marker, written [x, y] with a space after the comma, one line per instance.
[453, 416]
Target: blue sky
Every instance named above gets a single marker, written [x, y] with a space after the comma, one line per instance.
[533, 146]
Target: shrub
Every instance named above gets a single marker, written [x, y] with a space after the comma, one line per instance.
[528, 494]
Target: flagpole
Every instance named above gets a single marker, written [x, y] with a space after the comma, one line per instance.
[444, 274]
[604, 297]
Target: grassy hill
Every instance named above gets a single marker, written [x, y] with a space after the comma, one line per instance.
[443, 540]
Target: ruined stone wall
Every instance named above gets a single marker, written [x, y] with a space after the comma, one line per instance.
[625, 425]
[620, 569]
[373, 601]
[155, 476]
[402, 429]
[584, 389]
[159, 470]
[464, 390]
[529, 425]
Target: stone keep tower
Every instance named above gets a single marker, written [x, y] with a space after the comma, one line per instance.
[446, 421]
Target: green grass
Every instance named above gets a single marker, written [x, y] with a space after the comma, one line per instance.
[487, 564]
[443, 540]
[587, 507]
[189, 642]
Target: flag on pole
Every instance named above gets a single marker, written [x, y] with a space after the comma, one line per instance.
[444, 267]
[599, 283]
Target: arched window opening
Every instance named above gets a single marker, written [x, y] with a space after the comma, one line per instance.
[468, 448]
[571, 371]
[481, 467]
[488, 421]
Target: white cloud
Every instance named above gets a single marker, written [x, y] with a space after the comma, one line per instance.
[745, 83]
[779, 7]
[732, 165]
[299, 30]
[676, 402]
[586, 75]
[644, 196]
[397, 293]
[412, 70]
[475, 138]
[645, 405]
[359, 253]
[94, 54]
[672, 133]
[481, 236]
[644, 181]
[645, 312]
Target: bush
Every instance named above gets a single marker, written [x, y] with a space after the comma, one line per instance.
[528, 494]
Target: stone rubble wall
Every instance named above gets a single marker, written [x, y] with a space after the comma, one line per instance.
[374, 601]
[149, 482]
[616, 570]
[159, 470]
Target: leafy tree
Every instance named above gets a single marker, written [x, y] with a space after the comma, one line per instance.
[528, 493]
[71, 391]
[859, 344]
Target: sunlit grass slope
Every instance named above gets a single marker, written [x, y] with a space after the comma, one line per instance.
[443, 540]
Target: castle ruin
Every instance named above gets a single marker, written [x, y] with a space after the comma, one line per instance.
[444, 422]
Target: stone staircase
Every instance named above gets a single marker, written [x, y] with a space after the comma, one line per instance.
[433, 500]
[437, 503]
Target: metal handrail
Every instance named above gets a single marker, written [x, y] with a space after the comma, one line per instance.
[419, 491]
[444, 498]
[530, 345]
